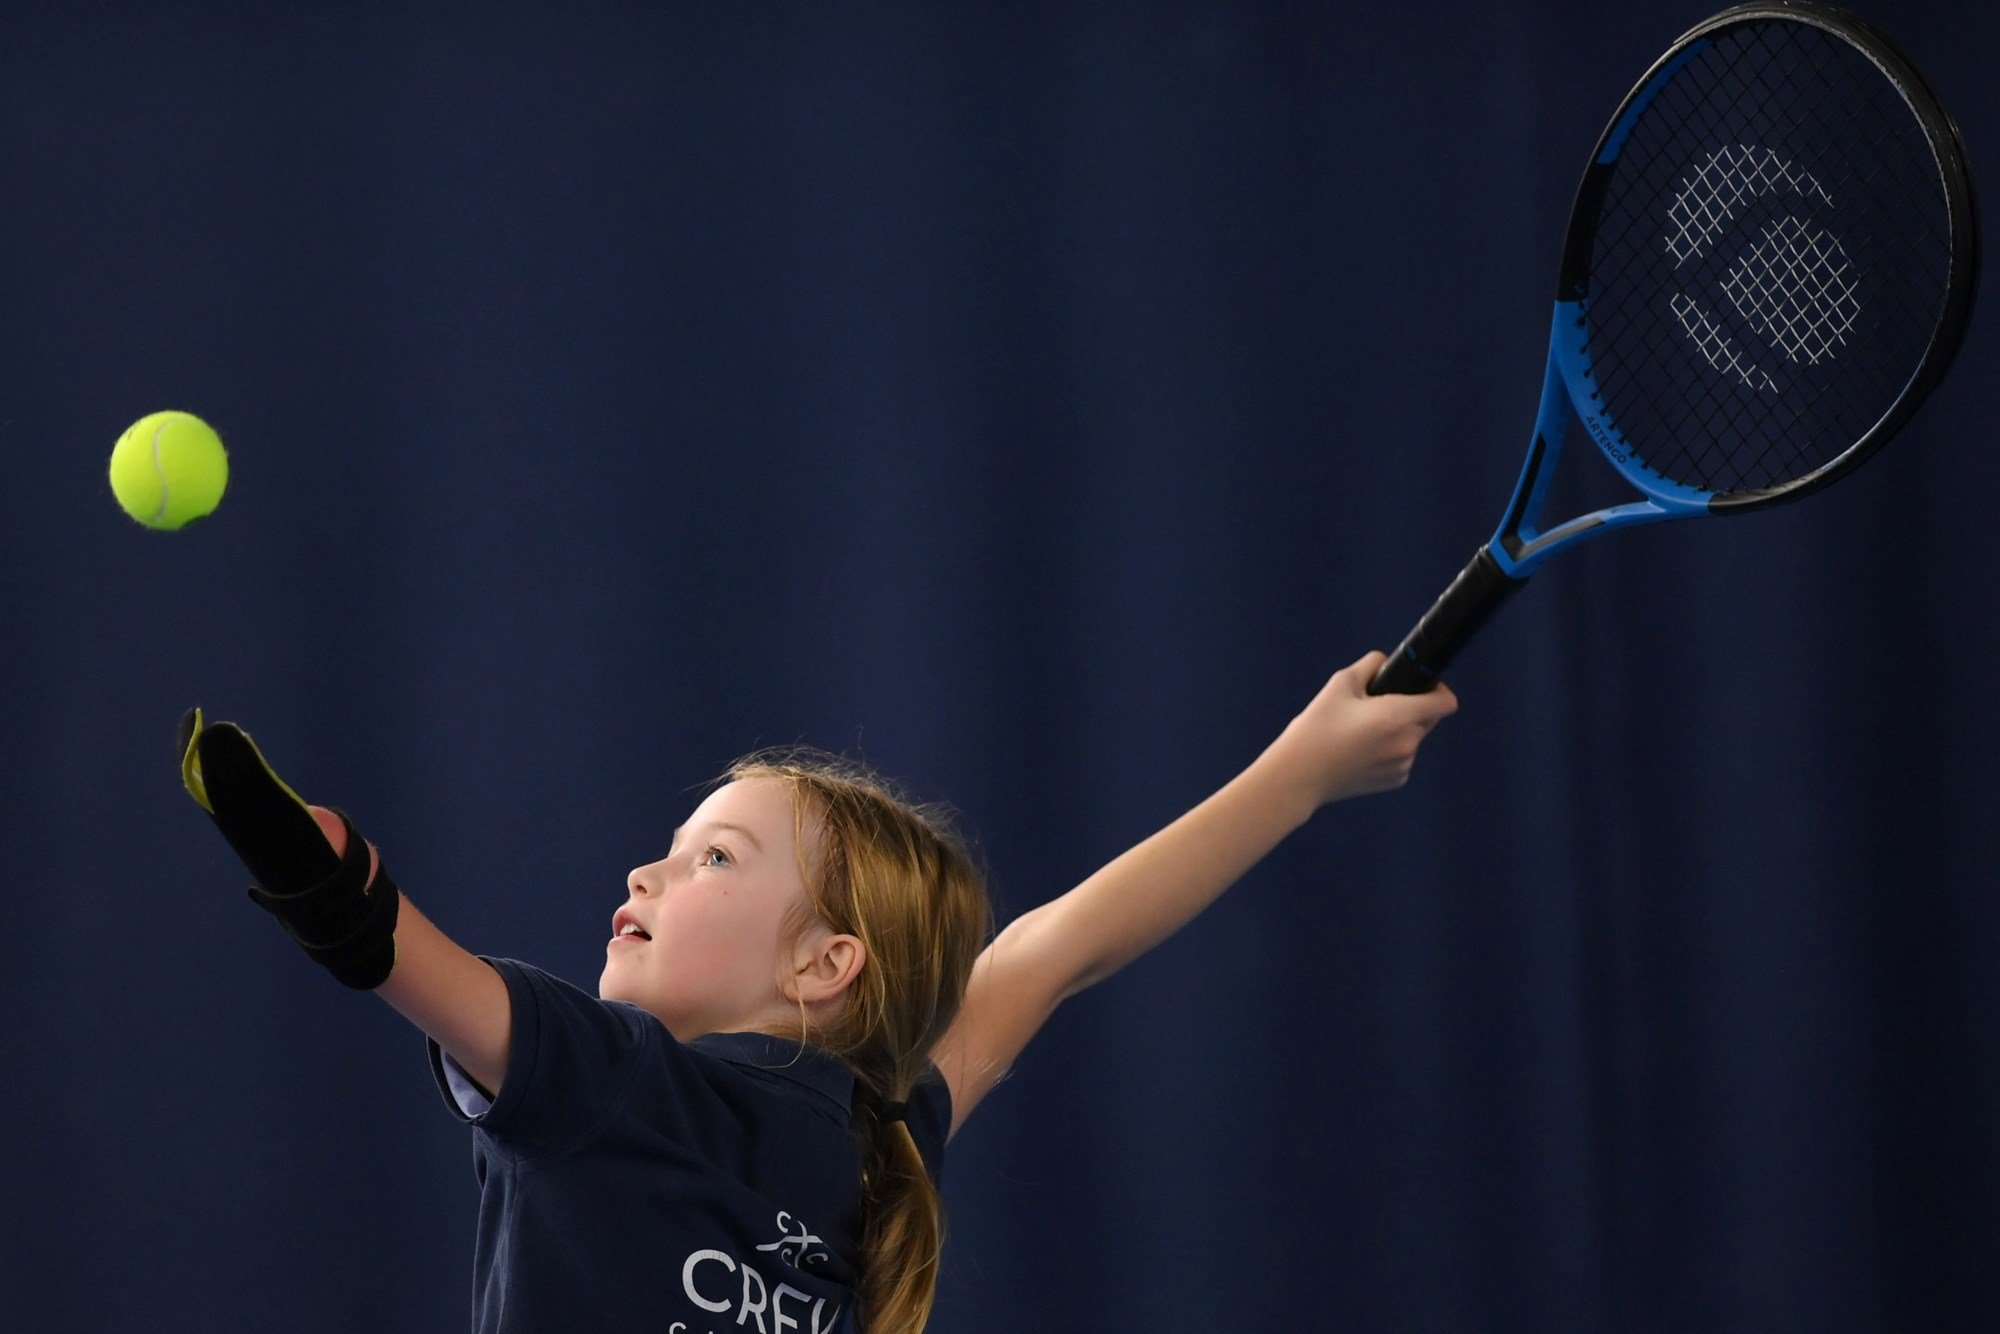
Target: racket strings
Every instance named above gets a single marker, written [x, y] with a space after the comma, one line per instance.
[1762, 270]
[1748, 174]
[1770, 262]
[1767, 289]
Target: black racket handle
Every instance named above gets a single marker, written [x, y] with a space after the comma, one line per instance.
[1426, 651]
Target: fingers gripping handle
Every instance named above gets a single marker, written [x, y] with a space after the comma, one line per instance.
[1421, 658]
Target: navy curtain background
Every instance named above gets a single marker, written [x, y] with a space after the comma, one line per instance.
[1039, 401]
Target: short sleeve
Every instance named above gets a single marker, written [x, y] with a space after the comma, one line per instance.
[572, 1061]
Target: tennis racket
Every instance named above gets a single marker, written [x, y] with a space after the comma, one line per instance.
[1769, 264]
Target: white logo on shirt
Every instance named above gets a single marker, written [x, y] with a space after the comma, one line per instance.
[759, 1300]
[795, 1251]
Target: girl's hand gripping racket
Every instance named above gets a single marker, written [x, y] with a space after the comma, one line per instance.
[1770, 263]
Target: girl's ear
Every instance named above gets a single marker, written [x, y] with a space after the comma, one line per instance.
[825, 965]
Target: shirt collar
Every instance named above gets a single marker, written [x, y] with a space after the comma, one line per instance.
[820, 1071]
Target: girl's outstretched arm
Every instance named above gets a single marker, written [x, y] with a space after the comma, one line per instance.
[454, 996]
[1343, 744]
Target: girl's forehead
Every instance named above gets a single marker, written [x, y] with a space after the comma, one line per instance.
[761, 805]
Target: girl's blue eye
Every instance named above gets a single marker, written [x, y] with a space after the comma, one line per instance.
[707, 858]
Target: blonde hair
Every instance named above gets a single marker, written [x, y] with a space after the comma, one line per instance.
[898, 876]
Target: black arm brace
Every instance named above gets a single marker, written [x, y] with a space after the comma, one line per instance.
[326, 902]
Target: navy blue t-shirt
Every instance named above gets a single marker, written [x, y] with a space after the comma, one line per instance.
[632, 1182]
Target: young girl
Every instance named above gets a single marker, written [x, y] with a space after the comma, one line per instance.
[747, 1123]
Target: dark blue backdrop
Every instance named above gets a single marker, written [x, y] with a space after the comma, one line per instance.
[1041, 400]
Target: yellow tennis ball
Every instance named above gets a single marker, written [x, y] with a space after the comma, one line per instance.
[169, 469]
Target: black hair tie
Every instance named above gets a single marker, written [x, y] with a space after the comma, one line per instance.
[894, 1111]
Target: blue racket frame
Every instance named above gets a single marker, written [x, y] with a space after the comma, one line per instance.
[1519, 546]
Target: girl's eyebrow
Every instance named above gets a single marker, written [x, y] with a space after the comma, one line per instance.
[754, 842]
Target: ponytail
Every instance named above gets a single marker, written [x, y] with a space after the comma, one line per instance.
[902, 1235]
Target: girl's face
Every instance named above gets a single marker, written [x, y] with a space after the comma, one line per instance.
[713, 907]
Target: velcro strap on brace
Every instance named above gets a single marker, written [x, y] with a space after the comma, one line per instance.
[345, 922]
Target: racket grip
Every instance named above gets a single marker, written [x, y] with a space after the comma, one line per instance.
[1426, 651]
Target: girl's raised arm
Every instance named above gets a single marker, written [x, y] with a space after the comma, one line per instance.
[1343, 744]
[326, 886]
